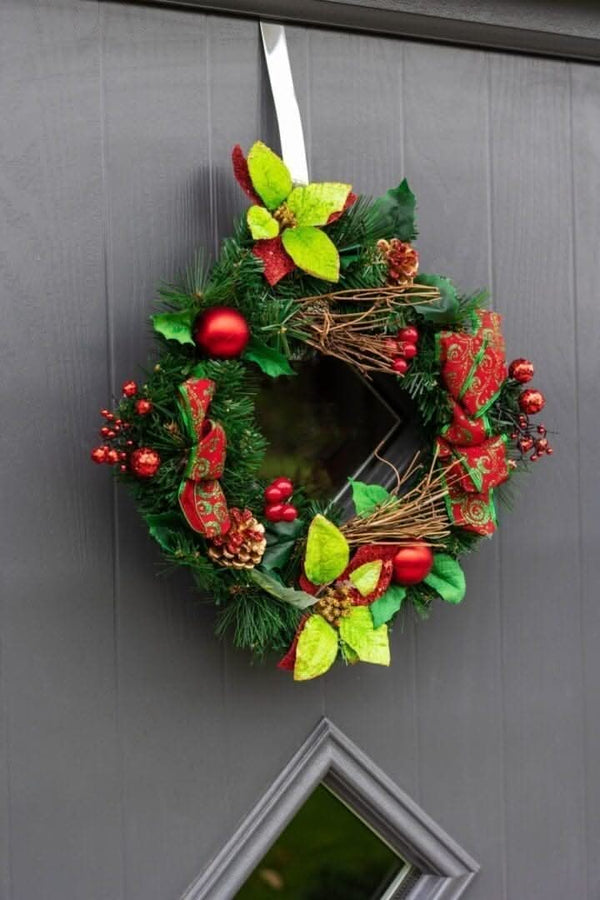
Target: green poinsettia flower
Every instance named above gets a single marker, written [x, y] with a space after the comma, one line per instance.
[295, 214]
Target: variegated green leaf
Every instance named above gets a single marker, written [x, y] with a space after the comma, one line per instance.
[366, 578]
[270, 176]
[316, 650]
[261, 223]
[327, 551]
[314, 203]
[370, 644]
[313, 252]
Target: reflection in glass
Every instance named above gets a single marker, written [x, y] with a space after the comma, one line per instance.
[325, 853]
[320, 425]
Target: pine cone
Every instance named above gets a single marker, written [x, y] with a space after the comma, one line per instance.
[402, 260]
[334, 604]
[244, 544]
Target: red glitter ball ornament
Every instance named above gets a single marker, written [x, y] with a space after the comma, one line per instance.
[144, 462]
[532, 401]
[521, 370]
[412, 563]
[112, 457]
[129, 389]
[143, 407]
[98, 455]
[221, 332]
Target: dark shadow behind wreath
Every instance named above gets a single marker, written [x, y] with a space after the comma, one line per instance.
[311, 273]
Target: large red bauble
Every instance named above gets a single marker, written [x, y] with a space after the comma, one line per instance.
[144, 462]
[222, 332]
[412, 563]
[531, 401]
[521, 370]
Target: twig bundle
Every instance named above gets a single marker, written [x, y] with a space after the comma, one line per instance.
[419, 514]
[358, 337]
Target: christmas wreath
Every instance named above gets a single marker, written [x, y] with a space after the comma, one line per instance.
[316, 270]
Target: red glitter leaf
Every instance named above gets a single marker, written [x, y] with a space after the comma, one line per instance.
[276, 261]
[242, 174]
[288, 661]
[369, 553]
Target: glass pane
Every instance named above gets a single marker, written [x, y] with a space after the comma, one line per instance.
[325, 853]
[321, 425]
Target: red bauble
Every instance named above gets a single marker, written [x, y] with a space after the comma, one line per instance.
[409, 351]
[531, 401]
[289, 513]
[129, 389]
[144, 462]
[112, 457]
[521, 370]
[143, 407]
[98, 454]
[408, 334]
[273, 494]
[412, 563]
[274, 512]
[400, 366]
[222, 332]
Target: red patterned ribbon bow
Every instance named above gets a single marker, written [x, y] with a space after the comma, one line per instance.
[201, 497]
[473, 369]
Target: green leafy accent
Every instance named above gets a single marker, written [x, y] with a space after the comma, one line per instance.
[397, 209]
[316, 650]
[370, 644]
[387, 605]
[176, 326]
[261, 223]
[366, 578]
[270, 176]
[313, 252]
[314, 203]
[281, 540]
[350, 657]
[447, 578]
[442, 311]
[327, 551]
[268, 359]
[299, 599]
[163, 528]
[367, 497]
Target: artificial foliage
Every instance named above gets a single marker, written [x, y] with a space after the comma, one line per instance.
[314, 269]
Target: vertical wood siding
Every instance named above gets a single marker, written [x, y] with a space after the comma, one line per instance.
[132, 742]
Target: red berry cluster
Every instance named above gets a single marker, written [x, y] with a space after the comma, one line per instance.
[403, 348]
[144, 461]
[533, 439]
[276, 509]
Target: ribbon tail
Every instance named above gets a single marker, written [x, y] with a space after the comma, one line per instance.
[204, 506]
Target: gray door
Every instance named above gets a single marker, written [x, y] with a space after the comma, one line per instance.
[133, 742]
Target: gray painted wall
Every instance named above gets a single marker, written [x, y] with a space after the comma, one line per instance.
[132, 742]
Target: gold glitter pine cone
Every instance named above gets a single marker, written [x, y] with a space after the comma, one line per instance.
[243, 546]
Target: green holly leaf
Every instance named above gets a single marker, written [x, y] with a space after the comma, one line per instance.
[299, 599]
[367, 497]
[445, 310]
[164, 528]
[261, 223]
[397, 210]
[314, 203]
[175, 326]
[271, 361]
[327, 551]
[313, 252]
[316, 649]
[281, 540]
[447, 578]
[370, 644]
[366, 578]
[387, 605]
[270, 176]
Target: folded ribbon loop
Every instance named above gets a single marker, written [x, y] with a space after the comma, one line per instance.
[201, 497]
[473, 369]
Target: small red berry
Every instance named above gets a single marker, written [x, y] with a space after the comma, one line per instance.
[289, 513]
[274, 512]
[112, 457]
[129, 389]
[400, 366]
[273, 494]
[106, 413]
[122, 467]
[98, 455]
[104, 431]
[129, 443]
[143, 406]
[409, 351]
[409, 334]
[111, 434]
[284, 486]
